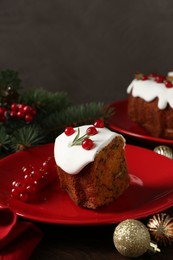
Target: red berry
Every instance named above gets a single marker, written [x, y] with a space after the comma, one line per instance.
[159, 78]
[99, 123]
[33, 111]
[28, 118]
[45, 167]
[13, 113]
[23, 196]
[26, 109]
[19, 187]
[27, 179]
[33, 181]
[20, 114]
[16, 183]
[91, 130]
[3, 112]
[31, 188]
[144, 77]
[87, 144]
[22, 111]
[14, 107]
[153, 75]
[3, 119]
[28, 169]
[14, 193]
[69, 130]
[168, 84]
[20, 107]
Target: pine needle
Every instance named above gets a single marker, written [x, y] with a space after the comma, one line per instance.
[4, 139]
[54, 112]
[76, 116]
[45, 101]
[27, 137]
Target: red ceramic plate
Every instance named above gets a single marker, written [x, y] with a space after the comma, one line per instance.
[150, 190]
[122, 124]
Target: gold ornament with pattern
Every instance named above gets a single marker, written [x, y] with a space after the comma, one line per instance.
[161, 228]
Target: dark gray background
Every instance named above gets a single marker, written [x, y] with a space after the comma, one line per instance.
[88, 48]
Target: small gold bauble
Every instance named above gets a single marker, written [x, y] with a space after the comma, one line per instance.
[131, 238]
[161, 228]
[164, 150]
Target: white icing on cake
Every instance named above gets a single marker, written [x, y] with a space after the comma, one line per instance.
[149, 90]
[72, 159]
[170, 74]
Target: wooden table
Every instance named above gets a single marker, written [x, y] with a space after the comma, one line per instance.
[61, 242]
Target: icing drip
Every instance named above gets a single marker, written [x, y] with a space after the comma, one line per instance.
[170, 74]
[72, 159]
[149, 90]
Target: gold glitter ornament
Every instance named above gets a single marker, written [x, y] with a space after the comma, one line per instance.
[131, 238]
[160, 227]
[164, 150]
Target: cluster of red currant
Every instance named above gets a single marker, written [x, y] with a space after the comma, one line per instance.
[21, 111]
[84, 140]
[33, 181]
[157, 78]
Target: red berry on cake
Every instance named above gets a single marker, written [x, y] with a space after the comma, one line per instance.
[99, 123]
[91, 130]
[87, 144]
[69, 130]
[144, 77]
[159, 78]
[153, 75]
[168, 84]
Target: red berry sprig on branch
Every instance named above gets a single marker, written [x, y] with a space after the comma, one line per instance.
[34, 180]
[69, 130]
[87, 144]
[22, 111]
[99, 123]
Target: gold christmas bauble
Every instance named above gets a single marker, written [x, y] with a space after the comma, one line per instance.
[164, 150]
[161, 228]
[131, 238]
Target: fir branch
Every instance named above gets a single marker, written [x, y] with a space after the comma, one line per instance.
[45, 101]
[12, 124]
[27, 137]
[54, 111]
[76, 116]
[4, 139]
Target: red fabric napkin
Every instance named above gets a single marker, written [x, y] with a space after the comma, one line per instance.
[18, 238]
